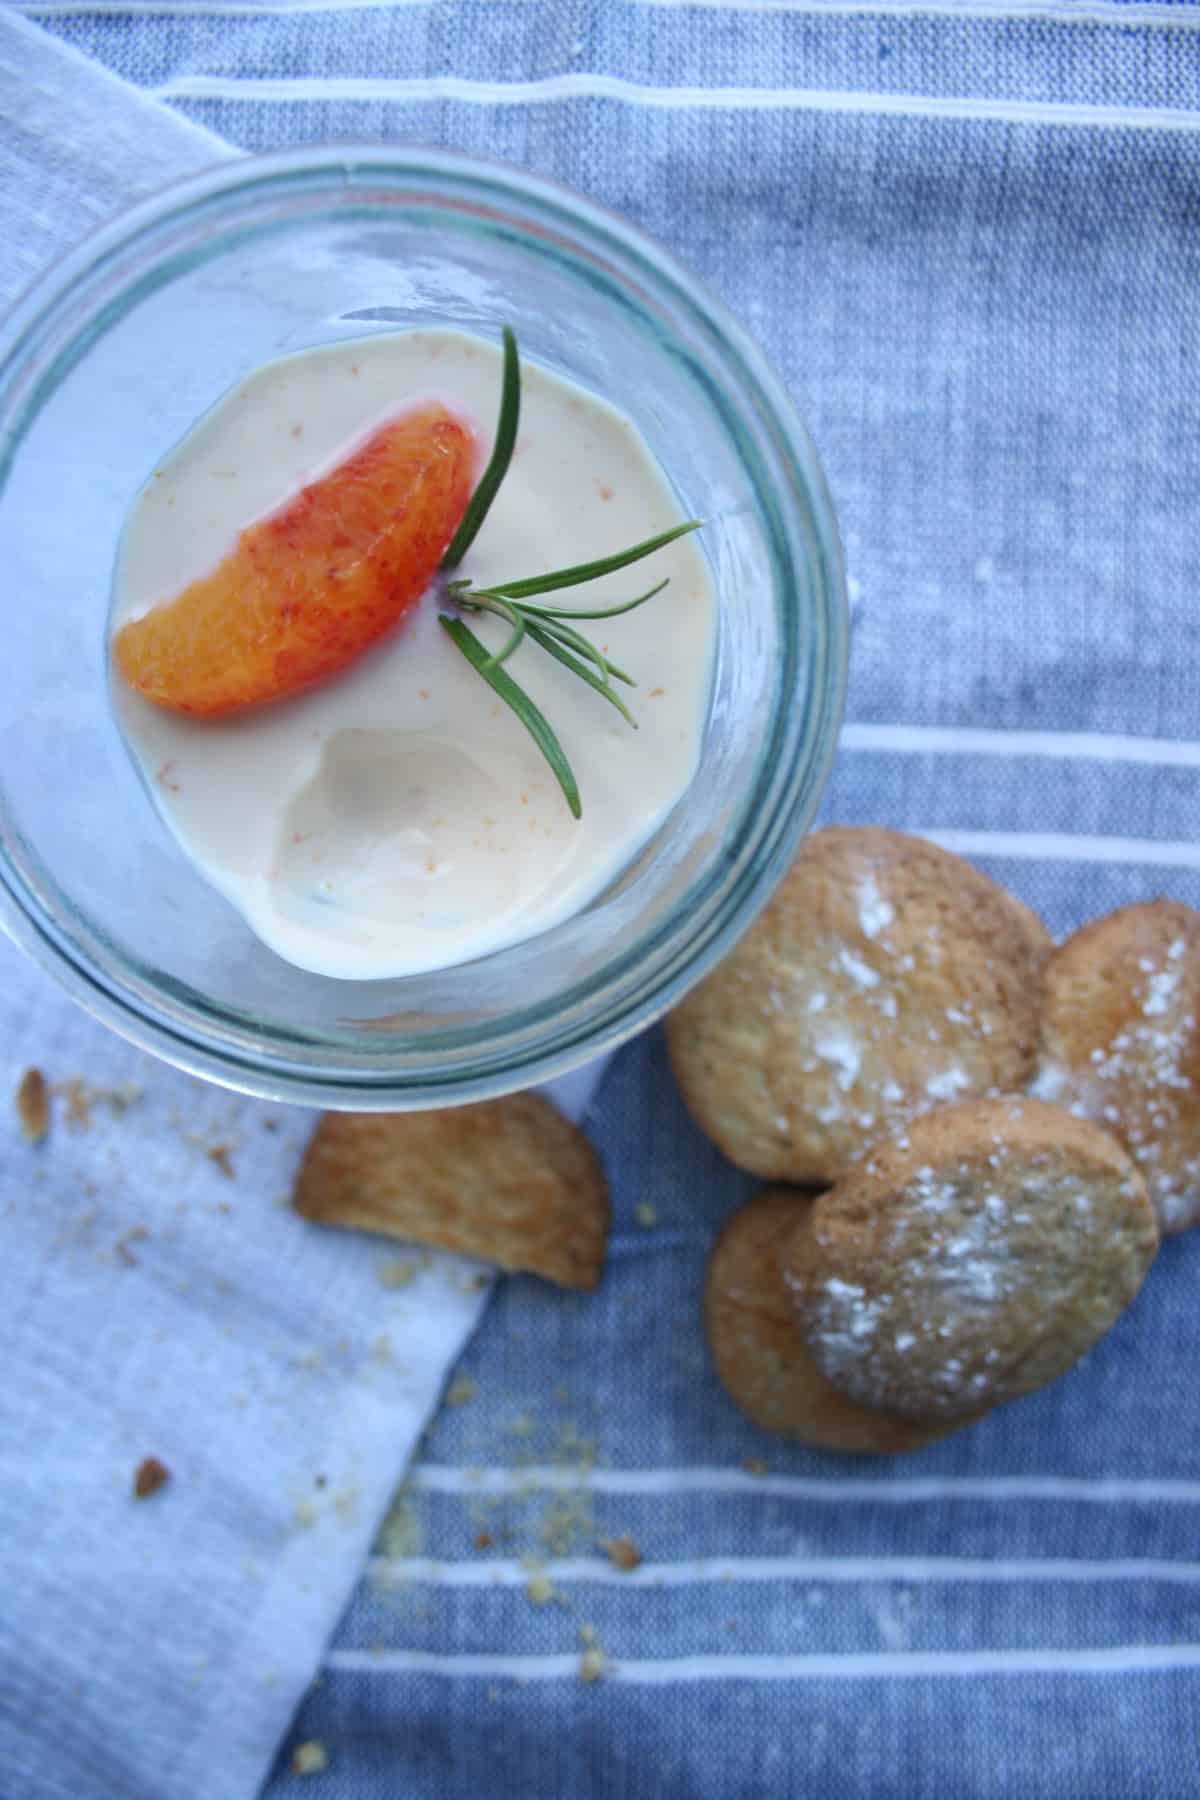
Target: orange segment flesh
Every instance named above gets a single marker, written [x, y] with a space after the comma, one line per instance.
[310, 587]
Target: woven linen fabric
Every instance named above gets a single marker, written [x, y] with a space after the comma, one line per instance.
[161, 1301]
[970, 242]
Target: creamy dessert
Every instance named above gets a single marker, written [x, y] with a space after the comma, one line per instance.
[391, 814]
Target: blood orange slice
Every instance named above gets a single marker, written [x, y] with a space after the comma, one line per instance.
[312, 586]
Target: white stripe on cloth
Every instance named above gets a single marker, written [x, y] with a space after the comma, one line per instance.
[442, 1478]
[729, 1570]
[204, 9]
[577, 85]
[1062, 846]
[888, 1665]
[1101, 13]
[1098, 12]
[974, 740]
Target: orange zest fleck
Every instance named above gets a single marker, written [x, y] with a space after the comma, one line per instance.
[312, 586]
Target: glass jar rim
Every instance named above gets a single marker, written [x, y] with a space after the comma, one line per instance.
[641, 981]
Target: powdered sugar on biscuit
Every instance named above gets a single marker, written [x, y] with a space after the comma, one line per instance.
[875, 913]
[1049, 1082]
[860, 973]
[1160, 991]
[847, 1323]
[840, 1049]
[948, 1084]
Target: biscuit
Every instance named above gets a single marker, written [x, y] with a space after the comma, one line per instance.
[509, 1180]
[972, 1259]
[1121, 1044]
[759, 1352]
[884, 978]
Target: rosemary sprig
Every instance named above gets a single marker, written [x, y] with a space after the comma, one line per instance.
[545, 626]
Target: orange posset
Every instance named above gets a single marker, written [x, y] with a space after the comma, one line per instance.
[312, 586]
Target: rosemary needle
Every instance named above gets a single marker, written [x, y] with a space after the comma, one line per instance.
[562, 655]
[502, 450]
[603, 612]
[534, 721]
[590, 571]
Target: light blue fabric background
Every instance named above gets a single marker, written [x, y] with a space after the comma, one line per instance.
[970, 241]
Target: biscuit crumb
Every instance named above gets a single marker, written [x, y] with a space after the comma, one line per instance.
[150, 1475]
[539, 1588]
[400, 1535]
[484, 1540]
[397, 1273]
[461, 1391]
[32, 1101]
[310, 1757]
[122, 1248]
[646, 1216]
[81, 1096]
[622, 1552]
[593, 1664]
[221, 1155]
[567, 1519]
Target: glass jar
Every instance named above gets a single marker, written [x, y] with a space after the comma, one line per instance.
[107, 363]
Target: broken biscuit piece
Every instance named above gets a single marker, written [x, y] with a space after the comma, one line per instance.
[508, 1180]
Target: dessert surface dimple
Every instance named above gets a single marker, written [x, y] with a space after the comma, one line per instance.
[322, 751]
